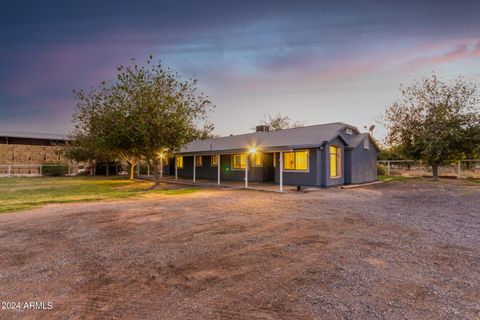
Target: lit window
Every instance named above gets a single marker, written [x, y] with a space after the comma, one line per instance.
[274, 160]
[335, 161]
[257, 160]
[366, 143]
[180, 162]
[239, 161]
[213, 161]
[198, 161]
[297, 160]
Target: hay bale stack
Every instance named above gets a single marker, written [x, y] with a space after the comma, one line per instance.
[6, 154]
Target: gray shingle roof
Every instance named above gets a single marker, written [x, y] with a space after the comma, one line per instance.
[309, 136]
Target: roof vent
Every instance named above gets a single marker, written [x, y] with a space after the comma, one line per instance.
[262, 128]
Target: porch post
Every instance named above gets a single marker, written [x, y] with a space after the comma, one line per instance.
[218, 169]
[281, 171]
[176, 168]
[194, 167]
[246, 171]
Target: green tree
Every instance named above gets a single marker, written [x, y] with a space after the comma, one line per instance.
[148, 112]
[435, 122]
[103, 127]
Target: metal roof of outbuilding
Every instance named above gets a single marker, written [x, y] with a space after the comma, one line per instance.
[33, 135]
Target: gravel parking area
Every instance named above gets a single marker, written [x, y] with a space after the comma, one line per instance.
[395, 250]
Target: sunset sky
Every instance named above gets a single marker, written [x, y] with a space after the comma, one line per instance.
[315, 61]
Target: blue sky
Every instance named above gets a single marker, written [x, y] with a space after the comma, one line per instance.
[315, 61]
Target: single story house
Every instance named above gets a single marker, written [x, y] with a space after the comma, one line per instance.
[320, 156]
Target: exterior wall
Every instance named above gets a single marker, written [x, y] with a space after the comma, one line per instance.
[363, 164]
[309, 178]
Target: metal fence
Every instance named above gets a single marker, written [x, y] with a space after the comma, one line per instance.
[469, 168]
[34, 170]
[40, 170]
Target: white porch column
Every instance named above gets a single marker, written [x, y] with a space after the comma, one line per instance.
[281, 171]
[218, 169]
[246, 170]
[176, 168]
[194, 167]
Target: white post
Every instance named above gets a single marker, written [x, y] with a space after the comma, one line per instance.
[9, 171]
[176, 167]
[388, 168]
[246, 171]
[194, 167]
[459, 168]
[218, 169]
[40, 170]
[281, 171]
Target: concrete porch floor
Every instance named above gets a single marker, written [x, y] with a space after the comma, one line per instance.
[262, 186]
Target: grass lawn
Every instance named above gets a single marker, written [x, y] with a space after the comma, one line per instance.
[24, 193]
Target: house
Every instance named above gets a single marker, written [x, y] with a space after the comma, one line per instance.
[320, 156]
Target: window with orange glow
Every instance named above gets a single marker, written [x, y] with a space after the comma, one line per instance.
[297, 161]
[214, 161]
[180, 162]
[198, 161]
[257, 160]
[239, 161]
[335, 161]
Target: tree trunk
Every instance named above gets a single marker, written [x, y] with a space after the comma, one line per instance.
[156, 173]
[132, 169]
[435, 171]
[161, 167]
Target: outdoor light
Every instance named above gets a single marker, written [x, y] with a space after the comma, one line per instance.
[253, 150]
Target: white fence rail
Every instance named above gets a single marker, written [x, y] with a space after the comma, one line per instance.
[469, 168]
[31, 170]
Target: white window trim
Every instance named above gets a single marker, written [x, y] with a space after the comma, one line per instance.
[297, 171]
[349, 131]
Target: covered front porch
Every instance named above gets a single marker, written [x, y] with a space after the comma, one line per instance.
[247, 170]
[230, 184]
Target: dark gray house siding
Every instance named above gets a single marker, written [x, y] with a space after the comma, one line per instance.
[361, 164]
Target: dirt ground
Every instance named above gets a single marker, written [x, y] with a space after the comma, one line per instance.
[395, 250]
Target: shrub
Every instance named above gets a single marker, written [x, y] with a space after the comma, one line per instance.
[54, 170]
[381, 170]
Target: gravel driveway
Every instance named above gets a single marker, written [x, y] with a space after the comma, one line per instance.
[396, 250]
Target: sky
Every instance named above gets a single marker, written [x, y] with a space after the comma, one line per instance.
[315, 61]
